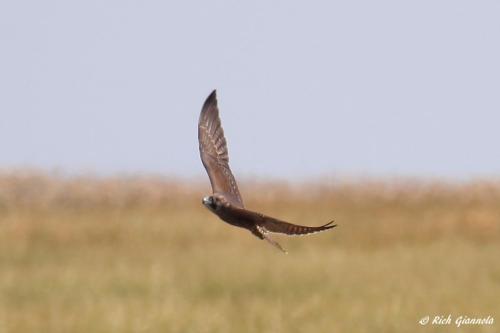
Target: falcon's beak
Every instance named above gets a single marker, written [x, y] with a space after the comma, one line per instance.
[207, 200]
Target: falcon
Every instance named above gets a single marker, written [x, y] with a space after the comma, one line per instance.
[225, 201]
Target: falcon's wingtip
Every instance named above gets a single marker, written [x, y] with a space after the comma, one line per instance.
[211, 100]
[329, 225]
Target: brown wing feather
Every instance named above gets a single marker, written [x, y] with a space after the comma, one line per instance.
[271, 224]
[214, 154]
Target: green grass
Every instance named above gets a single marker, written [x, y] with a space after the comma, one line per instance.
[145, 256]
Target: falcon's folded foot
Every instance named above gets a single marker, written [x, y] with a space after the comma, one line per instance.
[274, 243]
[262, 234]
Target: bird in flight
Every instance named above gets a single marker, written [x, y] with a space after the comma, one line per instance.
[225, 202]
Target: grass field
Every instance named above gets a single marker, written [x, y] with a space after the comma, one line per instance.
[143, 255]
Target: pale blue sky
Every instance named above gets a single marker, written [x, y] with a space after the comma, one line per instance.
[305, 88]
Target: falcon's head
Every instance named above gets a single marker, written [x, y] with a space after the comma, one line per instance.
[210, 202]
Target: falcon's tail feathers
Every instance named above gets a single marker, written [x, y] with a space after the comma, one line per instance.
[270, 224]
[298, 230]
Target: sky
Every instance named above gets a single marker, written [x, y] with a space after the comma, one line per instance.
[305, 88]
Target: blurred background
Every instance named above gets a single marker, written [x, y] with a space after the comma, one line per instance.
[383, 116]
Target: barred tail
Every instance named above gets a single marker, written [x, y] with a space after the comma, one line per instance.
[270, 224]
[299, 230]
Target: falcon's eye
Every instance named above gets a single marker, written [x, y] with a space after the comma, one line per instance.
[213, 202]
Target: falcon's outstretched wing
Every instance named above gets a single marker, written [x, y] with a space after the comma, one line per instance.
[213, 152]
[267, 224]
[271, 224]
[260, 225]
